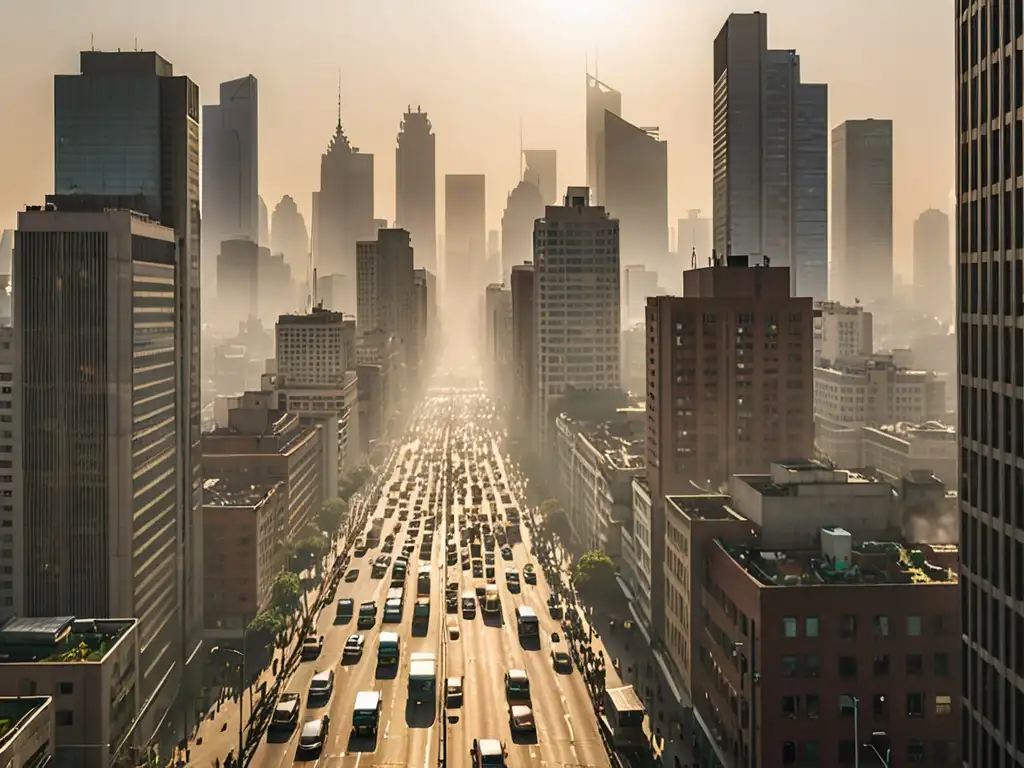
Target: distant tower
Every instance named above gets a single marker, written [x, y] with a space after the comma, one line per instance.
[542, 171]
[416, 186]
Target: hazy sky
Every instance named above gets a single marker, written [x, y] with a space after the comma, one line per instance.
[477, 67]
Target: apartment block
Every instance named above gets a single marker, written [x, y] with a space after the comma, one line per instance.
[845, 331]
[875, 391]
[498, 341]
[91, 671]
[636, 550]
[634, 359]
[241, 552]
[897, 450]
[264, 443]
[27, 740]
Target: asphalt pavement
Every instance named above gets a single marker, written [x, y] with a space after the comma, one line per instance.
[459, 427]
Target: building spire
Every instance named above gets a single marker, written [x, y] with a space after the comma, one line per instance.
[339, 100]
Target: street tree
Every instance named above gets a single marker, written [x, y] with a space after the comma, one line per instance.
[548, 508]
[330, 514]
[594, 572]
[286, 593]
[265, 629]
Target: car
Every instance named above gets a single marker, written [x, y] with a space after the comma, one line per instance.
[321, 685]
[506, 553]
[314, 734]
[352, 575]
[560, 658]
[453, 691]
[489, 558]
[478, 569]
[488, 753]
[481, 590]
[354, 646]
[520, 719]
[312, 646]
[453, 629]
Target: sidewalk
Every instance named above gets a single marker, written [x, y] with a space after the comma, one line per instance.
[219, 735]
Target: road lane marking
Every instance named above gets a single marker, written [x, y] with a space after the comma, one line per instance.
[387, 728]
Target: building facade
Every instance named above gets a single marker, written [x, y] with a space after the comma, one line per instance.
[540, 168]
[416, 186]
[846, 332]
[522, 417]
[28, 739]
[933, 271]
[770, 149]
[289, 236]
[238, 284]
[12, 521]
[524, 206]
[577, 304]
[601, 98]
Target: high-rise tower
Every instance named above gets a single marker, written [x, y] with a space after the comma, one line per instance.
[770, 150]
[525, 205]
[416, 186]
[465, 225]
[990, 303]
[231, 200]
[933, 272]
[541, 170]
[601, 98]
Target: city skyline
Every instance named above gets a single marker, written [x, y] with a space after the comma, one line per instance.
[297, 123]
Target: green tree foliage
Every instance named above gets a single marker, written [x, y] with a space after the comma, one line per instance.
[352, 482]
[595, 572]
[330, 514]
[286, 593]
[549, 508]
[266, 627]
[309, 548]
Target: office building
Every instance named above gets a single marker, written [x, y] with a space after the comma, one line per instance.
[330, 292]
[242, 523]
[577, 304]
[522, 415]
[29, 737]
[846, 332]
[423, 310]
[897, 450]
[262, 443]
[231, 197]
[540, 168]
[869, 391]
[640, 284]
[416, 186]
[991, 444]
[729, 385]
[11, 512]
[124, 107]
[465, 233]
[238, 284]
[862, 250]
[90, 669]
[693, 239]
[634, 359]
[797, 611]
[933, 271]
[770, 150]
[524, 206]
[634, 183]
[96, 358]
[601, 98]
[288, 235]
[342, 210]
[497, 353]
[315, 376]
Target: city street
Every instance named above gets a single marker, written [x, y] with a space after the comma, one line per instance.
[448, 458]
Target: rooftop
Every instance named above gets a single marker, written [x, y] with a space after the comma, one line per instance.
[871, 562]
[318, 316]
[16, 711]
[59, 639]
[704, 506]
[787, 477]
[224, 492]
[928, 429]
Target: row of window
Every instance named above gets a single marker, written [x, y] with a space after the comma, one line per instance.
[809, 753]
[809, 706]
[881, 665]
[913, 626]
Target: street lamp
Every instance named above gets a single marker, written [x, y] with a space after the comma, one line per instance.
[879, 735]
[241, 695]
[855, 702]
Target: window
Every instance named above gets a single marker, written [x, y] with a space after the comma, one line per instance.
[790, 707]
[812, 665]
[811, 625]
[789, 627]
[913, 626]
[847, 625]
[942, 664]
[881, 626]
[915, 705]
[846, 751]
[789, 753]
[847, 666]
[943, 705]
[915, 664]
[64, 717]
[789, 666]
[66, 689]
[915, 751]
[880, 706]
[812, 753]
[880, 665]
[812, 706]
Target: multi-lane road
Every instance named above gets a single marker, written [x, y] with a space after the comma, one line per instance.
[450, 447]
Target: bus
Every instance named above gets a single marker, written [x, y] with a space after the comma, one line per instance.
[492, 604]
[423, 580]
[527, 623]
[623, 718]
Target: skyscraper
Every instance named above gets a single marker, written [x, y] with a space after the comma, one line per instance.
[524, 206]
[126, 134]
[465, 236]
[96, 348]
[231, 202]
[770, 163]
[601, 98]
[416, 186]
[541, 170]
[634, 183]
[288, 235]
[694, 236]
[577, 303]
[862, 257]
[524, 361]
[342, 210]
[933, 272]
[990, 235]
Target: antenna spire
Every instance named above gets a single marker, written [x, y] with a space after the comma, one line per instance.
[339, 99]
[520, 147]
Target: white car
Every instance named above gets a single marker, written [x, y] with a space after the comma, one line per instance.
[354, 645]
